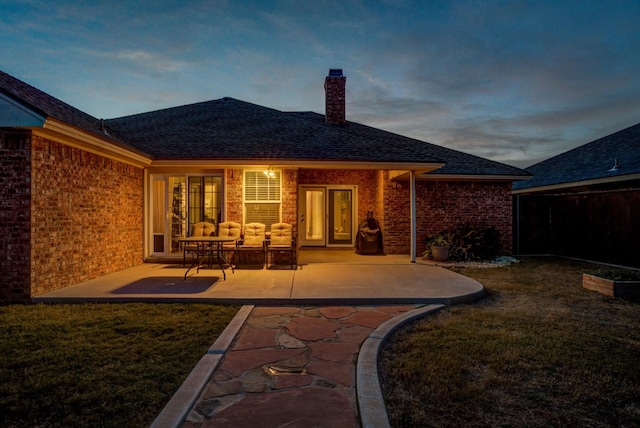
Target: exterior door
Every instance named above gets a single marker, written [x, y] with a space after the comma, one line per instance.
[311, 216]
[326, 216]
[177, 202]
[340, 218]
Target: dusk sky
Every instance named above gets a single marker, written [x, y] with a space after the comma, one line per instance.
[511, 81]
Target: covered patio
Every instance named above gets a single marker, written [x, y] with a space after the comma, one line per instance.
[322, 277]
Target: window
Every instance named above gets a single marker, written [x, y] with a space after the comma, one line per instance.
[205, 199]
[262, 197]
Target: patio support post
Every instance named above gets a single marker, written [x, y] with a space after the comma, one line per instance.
[412, 191]
[517, 225]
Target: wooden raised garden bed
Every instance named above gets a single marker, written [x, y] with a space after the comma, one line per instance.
[611, 287]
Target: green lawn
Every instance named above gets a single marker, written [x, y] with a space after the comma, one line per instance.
[99, 365]
[539, 350]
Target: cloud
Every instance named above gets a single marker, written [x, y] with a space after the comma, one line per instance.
[150, 62]
[507, 80]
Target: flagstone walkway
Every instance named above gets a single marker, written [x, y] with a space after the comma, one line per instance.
[290, 366]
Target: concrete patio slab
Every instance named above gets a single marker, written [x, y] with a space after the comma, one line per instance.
[373, 283]
[325, 278]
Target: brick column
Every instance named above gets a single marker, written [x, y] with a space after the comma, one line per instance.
[15, 216]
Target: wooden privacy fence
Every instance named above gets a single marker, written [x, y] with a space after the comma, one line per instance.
[599, 225]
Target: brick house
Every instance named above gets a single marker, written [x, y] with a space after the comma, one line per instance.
[584, 203]
[83, 197]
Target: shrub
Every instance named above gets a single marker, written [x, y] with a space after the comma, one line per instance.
[467, 242]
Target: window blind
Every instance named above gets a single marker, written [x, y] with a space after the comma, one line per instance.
[258, 187]
[262, 197]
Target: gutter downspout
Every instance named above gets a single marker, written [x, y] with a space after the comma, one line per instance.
[412, 191]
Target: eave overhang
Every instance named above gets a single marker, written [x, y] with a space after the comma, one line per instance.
[404, 175]
[564, 186]
[61, 132]
[83, 140]
[293, 163]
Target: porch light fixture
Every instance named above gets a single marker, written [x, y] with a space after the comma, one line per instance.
[269, 172]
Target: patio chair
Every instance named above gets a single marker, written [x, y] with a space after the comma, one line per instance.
[204, 228]
[252, 242]
[282, 241]
[233, 230]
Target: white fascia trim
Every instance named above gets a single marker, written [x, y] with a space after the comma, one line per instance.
[462, 177]
[278, 163]
[66, 134]
[608, 180]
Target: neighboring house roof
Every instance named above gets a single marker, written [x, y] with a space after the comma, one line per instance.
[593, 162]
[233, 130]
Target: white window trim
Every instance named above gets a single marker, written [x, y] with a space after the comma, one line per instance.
[260, 201]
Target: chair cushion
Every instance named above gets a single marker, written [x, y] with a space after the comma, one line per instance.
[281, 234]
[229, 229]
[254, 234]
[203, 228]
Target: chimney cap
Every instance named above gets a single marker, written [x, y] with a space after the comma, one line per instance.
[335, 72]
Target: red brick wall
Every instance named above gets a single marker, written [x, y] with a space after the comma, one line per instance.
[442, 205]
[396, 230]
[15, 216]
[233, 187]
[439, 204]
[290, 197]
[87, 216]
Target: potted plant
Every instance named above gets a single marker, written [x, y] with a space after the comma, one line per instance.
[440, 246]
[463, 243]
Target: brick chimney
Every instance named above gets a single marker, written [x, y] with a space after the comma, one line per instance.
[334, 88]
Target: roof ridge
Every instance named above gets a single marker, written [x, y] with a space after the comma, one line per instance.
[166, 109]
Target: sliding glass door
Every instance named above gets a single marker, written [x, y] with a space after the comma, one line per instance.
[178, 202]
[326, 215]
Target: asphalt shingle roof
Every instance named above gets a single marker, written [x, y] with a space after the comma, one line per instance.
[457, 163]
[590, 161]
[47, 106]
[231, 129]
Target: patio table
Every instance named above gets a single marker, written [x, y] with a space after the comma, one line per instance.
[208, 246]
